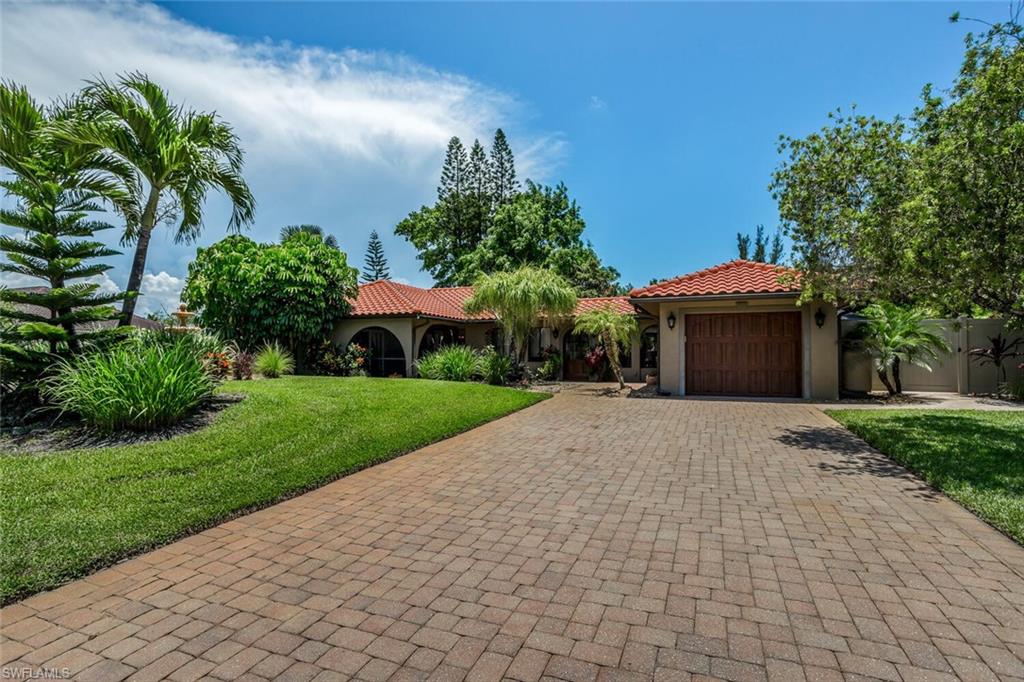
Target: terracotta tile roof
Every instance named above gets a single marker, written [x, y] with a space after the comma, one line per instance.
[387, 298]
[734, 277]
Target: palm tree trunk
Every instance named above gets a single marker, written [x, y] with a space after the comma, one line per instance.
[139, 261]
[613, 358]
[884, 377]
[896, 375]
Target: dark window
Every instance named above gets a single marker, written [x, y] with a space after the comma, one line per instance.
[535, 345]
[649, 348]
[386, 354]
[626, 356]
[440, 335]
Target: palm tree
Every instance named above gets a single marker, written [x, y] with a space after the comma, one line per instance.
[519, 299]
[292, 230]
[895, 335]
[615, 330]
[181, 154]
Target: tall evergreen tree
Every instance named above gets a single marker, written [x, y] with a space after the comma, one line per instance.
[776, 252]
[504, 185]
[760, 245]
[454, 171]
[56, 188]
[743, 245]
[375, 264]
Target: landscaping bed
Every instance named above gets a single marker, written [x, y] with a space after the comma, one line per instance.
[65, 514]
[975, 457]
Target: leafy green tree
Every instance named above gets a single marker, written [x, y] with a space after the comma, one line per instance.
[929, 210]
[895, 335]
[180, 154]
[504, 185]
[291, 293]
[375, 264]
[542, 226]
[968, 227]
[56, 190]
[288, 231]
[520, 299]
[842, 194]
[615, 330]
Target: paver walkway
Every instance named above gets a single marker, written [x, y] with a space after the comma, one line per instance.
[584, 538]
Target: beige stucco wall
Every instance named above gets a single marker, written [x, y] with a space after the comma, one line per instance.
[819, 346]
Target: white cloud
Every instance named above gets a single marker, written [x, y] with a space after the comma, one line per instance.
[160, 293]
[597, 104]
[352, 140]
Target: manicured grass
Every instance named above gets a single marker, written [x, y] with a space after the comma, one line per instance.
[977, 458]
[64, 514]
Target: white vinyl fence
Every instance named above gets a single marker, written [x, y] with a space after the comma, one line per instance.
[954, 372]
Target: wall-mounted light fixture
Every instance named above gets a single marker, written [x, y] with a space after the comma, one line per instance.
[819, 318]
[671, 320]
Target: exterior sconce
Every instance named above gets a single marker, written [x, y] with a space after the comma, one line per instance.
[819, 318]
[672, 320]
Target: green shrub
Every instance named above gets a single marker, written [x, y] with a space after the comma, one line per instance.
[495, 367]
[551, 370]
[131, 386]
[274, 361]
[450, 363]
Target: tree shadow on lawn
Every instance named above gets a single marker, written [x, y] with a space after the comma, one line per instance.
[853, 457]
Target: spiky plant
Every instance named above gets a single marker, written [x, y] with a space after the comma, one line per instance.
[895, 335]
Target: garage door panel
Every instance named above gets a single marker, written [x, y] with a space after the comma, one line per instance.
[743, 354]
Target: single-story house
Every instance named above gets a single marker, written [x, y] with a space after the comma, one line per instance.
[734, 329]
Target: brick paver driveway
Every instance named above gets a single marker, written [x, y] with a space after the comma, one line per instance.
[582, 538]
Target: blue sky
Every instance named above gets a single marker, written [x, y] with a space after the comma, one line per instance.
[662, 119]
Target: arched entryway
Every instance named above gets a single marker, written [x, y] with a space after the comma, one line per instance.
[574, 352]
[386, 355]
[439, 335]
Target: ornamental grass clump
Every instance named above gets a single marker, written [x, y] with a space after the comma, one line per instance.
[132, 387]
[450, 363]
[274, 361]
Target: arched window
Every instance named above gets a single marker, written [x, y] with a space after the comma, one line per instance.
[438, 335]
[649, 348]
[386, 354]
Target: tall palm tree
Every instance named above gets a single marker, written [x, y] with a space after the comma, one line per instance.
[520, 299]
[894, 335]
[292, 230]
[180, 154]
[615, 330]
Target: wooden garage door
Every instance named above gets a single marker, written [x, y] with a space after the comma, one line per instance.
[743, 354]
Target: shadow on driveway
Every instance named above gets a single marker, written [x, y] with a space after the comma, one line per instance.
[853, 457]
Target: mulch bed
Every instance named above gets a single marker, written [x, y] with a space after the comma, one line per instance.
[63, 433]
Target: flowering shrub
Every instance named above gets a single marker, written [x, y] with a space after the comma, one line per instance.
[353, 362]
[217, 365]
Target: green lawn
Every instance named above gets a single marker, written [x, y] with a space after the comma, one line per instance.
[977, 458]
[65, 514]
